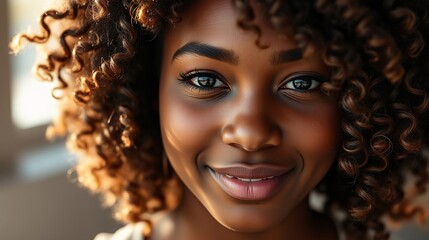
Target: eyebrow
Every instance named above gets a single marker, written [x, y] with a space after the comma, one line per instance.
[201, 49]
[286, 56]
[225, 55]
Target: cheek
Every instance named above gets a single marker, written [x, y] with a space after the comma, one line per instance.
[318, 137]
[315, 135]
[186, 128]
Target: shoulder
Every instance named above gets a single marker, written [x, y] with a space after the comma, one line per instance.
[128, 232]
[135, 231]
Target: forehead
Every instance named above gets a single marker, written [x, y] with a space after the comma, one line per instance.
[215, 23]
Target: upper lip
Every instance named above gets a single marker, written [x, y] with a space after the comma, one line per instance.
[251, 171]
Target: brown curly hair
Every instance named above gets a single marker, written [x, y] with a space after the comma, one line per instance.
[106, 70]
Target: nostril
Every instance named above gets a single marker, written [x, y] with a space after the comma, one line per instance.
[251, 142]
[251, 148]
[236, 145]
[251, 135]
[257, 147]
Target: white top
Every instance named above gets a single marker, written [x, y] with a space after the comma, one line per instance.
[129, 232]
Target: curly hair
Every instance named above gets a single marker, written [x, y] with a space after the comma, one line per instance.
[106, 66]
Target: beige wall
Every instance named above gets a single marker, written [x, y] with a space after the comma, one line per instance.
[51, 209]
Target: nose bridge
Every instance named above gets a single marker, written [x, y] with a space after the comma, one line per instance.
[251, 125]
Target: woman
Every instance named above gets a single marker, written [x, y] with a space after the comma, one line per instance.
[217, 119]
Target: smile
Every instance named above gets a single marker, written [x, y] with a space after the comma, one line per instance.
[250, 184]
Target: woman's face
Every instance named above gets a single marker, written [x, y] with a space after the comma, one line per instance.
[247, 130]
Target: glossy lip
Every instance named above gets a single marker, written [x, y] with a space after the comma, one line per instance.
[250, 183]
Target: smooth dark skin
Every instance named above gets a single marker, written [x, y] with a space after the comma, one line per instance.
[250, 116]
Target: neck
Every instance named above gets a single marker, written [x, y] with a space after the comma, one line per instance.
[192, 221]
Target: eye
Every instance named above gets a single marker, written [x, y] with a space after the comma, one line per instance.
[303, 82]
[206, 81]
[203, 80]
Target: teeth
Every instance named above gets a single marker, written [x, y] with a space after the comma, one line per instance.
[250, 179]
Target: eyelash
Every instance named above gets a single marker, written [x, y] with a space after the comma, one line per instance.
[314, 77]
[186, 79]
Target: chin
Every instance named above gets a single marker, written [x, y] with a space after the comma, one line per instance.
[246, 223]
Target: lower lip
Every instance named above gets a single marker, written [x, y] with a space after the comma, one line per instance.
[250, 191]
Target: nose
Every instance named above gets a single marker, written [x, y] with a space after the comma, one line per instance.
[252, 130]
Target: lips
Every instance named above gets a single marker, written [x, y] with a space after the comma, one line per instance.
[252, 183]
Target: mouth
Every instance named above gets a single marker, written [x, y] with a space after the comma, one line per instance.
[254, 183]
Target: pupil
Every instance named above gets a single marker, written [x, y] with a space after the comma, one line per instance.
[206, 81]
[301, 84]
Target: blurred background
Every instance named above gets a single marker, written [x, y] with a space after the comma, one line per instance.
[37, 199]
